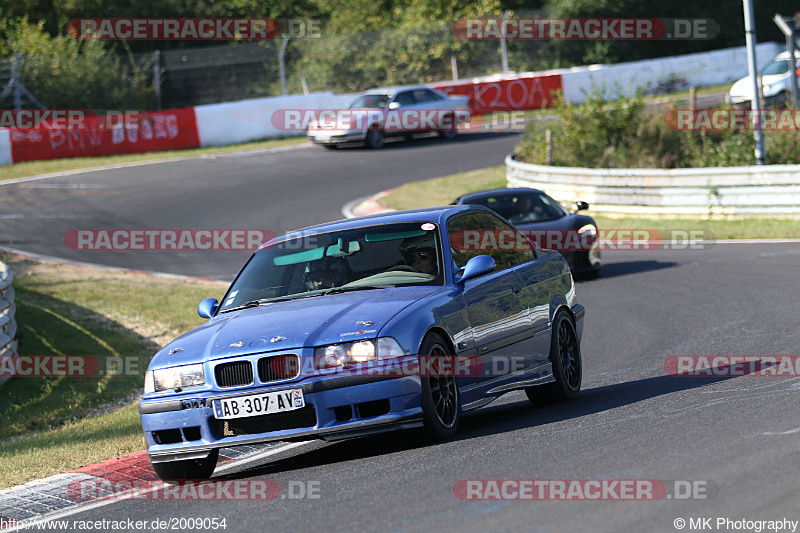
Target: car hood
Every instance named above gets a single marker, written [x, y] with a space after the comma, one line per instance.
[292, 324]
[744, 87]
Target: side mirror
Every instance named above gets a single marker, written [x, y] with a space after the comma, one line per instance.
[581, 206]
[476, 267]
[207, 307]
[394, 105]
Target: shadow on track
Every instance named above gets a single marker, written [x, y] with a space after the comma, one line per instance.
[614, 270]
[489, 421]
[400, 143]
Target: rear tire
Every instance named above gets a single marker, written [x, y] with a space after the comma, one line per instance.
[565, 356]
[451, 132]
[189, 469]
[440, 396]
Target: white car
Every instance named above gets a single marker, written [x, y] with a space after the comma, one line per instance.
[775, 83]
[390, 112]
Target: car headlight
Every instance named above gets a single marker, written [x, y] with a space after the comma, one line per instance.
[352, 353]
[174, 378]
[765, 89]
[587, 235]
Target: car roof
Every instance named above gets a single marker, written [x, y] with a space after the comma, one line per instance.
[396, 89]
[437, 215]
[495, 192]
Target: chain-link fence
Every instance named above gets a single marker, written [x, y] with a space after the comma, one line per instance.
[338, 63]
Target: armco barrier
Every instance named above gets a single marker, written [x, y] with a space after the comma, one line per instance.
[697, 192]
[8, 325]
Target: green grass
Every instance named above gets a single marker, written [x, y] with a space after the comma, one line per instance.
[442, 191]
[36, 168]
[55, 423]
[73, 445]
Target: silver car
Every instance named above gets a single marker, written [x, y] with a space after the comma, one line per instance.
[390, 112]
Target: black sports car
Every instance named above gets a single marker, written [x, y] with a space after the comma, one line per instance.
[547, 223]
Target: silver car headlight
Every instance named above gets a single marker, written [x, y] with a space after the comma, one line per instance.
[174, 378]
[352, 353]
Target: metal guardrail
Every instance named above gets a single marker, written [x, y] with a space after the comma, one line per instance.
[8, 325]
[766, 190]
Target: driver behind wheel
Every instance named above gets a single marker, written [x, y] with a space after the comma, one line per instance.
[420, 253]
[325, 274]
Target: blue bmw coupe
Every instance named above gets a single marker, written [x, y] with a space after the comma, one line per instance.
[398, 320]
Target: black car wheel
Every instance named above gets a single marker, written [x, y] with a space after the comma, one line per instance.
[565, 355]
[440, 398]
[375, 138]
[189, 469]
[449, 129]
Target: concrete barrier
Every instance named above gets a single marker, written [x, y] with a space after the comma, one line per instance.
[250, 120]
[727, 192]
[5, 147]
[701, 69]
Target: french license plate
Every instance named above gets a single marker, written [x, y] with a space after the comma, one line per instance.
[259, 404]
[323, 138]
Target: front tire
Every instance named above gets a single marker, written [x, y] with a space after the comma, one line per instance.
[375, 138]
[565, 356]
[189, 469]
[440, 396]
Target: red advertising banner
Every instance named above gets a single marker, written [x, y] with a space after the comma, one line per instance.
[109, 133]
[526, 92]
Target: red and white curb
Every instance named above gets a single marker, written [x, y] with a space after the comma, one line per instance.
[366, 206]
[55, 497]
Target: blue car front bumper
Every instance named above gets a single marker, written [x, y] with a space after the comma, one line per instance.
[184, 426]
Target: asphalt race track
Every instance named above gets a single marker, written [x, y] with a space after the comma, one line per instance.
[734, 439]
[278, 190]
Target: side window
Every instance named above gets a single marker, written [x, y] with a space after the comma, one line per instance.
[433, 96]
[405, 98]
[464, 232]
[508, 247]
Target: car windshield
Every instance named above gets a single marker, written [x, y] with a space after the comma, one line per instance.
[523, 208]
[777, 67]
[370, 101]
[364, 258]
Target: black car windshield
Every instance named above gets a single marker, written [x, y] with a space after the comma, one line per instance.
[365, 258]
[523, 208]
[370, 101]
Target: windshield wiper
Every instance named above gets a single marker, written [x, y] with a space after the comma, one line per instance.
[337, 290]
[251, 303]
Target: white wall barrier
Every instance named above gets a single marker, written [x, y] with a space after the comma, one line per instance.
[252, 120]
[5, 147]
[698, 70]
[696, 192]
[8, 325]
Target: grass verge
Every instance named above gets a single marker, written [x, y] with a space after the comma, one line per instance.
[36, 168]
[54, 423]
[442, 191]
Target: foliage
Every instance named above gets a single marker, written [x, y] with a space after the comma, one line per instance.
[620, 133]
[64, 73]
